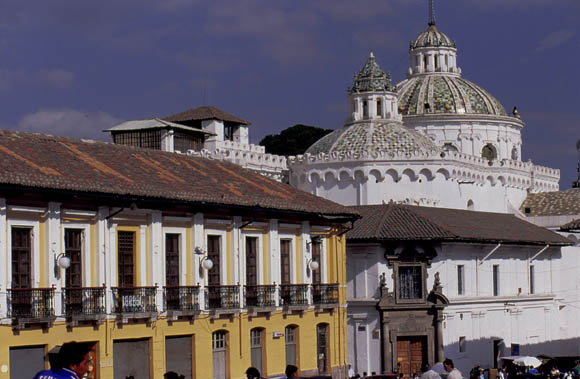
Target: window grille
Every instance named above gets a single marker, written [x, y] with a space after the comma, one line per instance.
[410, 282]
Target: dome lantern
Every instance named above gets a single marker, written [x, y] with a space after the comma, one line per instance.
[372, 95]
[433, 51]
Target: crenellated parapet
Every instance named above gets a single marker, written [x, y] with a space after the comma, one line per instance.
[269, 165]
[422, 167]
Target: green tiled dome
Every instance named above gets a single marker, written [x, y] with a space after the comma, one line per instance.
[446, 94]
[374, 138]
[371, 78]
[432, 37]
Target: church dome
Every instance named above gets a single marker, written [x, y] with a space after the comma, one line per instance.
[445, 94]
[432, 37]
[374, 138]
[371, 78]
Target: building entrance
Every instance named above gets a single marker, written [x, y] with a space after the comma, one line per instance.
[411, 353]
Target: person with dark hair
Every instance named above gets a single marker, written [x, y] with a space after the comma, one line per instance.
[291, 371]
[453, 373]
[253, 373]
[72, 362]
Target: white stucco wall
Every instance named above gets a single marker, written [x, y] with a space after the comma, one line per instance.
[544, 322]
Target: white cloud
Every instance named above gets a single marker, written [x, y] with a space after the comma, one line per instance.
[20, 78]
[69, 123]
[555, 39]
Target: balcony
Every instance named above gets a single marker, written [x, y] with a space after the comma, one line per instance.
[260, 298]
[181, 301]
[134, 303]
[222, 299]
[31, 306]
[84, 304]
[325, 296]
[294, 297]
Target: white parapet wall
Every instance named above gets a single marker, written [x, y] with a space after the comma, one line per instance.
[450, 180]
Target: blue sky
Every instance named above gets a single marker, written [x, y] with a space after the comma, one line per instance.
[70, 67]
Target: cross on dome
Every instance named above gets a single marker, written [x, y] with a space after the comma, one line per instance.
[431, 12]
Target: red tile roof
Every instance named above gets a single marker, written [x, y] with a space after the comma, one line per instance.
[555, 203]
[205, 113]
[59, 163]
[408, 222]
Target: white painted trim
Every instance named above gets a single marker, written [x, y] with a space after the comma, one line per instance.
[85, 251]
[323, 261]
[73, 212]
[198, 240]
[274, 252]
[16, 208]
[143, 255]
[35, 264]
[112, 264]
[213, 221]
[182, 254]
[3, 257]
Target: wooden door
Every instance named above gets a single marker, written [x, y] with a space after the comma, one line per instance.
[411, 353]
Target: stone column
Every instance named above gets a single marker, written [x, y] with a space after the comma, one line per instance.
[439, 353]
[387, 351]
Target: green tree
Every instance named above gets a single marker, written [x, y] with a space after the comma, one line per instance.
[293, 140]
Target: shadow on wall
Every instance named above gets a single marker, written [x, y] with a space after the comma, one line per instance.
[482, 351]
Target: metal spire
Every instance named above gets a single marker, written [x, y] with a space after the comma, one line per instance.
[431, 13]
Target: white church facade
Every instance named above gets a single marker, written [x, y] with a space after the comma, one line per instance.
[443, 262]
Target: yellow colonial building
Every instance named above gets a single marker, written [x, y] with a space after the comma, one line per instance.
[166, 262]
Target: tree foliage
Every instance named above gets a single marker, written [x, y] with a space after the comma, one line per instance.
[293, 140]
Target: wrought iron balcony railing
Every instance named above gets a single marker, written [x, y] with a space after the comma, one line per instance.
[182, 298]
[325, 293]
[294, 294]
[31, 303]
[83, 301]
[260, 296]
[134, 299]
[222, 297]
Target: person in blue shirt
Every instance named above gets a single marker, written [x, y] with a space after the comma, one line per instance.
[72, 362]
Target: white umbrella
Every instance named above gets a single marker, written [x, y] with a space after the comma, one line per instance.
[527, 361]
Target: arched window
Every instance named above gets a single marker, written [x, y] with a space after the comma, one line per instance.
[515, 153]
[379, 108]
[470, 205]
[219, 354]
[291, 335]
[448, 146]
[365, 109]
[436, 61]
[256, 342]
[425, 63]
[488, 152]
[322, 348]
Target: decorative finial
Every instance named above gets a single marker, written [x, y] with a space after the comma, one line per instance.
[431, 13]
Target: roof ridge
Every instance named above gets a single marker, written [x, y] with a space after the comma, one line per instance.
[426, 218]
[388, 211]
